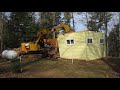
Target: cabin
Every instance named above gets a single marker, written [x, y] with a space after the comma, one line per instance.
[84, 45]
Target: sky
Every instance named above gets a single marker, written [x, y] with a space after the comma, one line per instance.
[79, 21]
[79, 25]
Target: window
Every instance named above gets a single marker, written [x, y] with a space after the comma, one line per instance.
[102, 41]
[70, 42]
[89, 40]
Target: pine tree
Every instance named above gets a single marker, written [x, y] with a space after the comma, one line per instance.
[20, 28]
[96, 20]
[113, 41]
[66, 17]
[48, 19]
[5, 30]
[73, 21]
[1, 32]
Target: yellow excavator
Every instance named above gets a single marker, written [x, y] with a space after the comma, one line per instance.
[35, 46]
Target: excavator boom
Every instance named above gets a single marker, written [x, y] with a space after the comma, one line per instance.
[63, 26]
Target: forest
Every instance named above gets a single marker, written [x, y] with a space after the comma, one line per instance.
[17, 27]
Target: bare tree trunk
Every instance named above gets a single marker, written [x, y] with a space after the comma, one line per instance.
[39, 16]
[106, 31]
[54, 24]
[1, 32]
[73, 22]
[119, 36]
[87, 19]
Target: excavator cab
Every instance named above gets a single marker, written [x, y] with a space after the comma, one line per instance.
[37, 45]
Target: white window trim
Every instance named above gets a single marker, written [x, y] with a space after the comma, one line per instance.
[103, 41]
[89, 38]
[70, 42]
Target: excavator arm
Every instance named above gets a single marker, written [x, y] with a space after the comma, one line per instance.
[63, 26]
[38, 38]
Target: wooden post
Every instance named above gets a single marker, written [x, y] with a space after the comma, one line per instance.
[20, 63]
[72, 60]
[72, 57]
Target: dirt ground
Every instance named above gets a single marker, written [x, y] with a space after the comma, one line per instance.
[108, 67]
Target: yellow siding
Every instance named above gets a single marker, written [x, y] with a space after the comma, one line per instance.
[81, 50]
